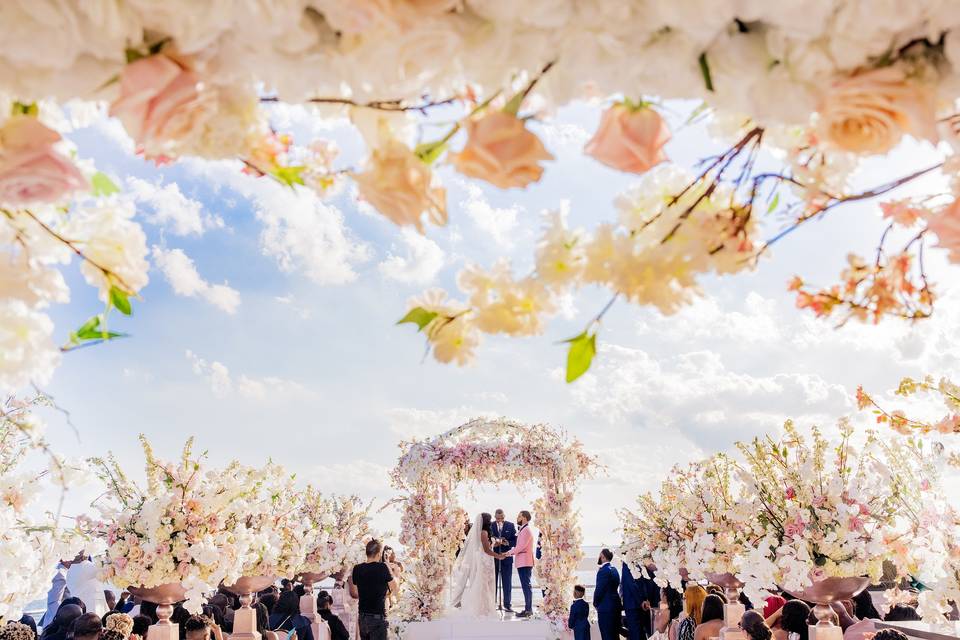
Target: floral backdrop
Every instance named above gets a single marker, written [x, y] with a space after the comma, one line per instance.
[488, 451]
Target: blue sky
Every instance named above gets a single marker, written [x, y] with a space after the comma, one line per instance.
[310, 371]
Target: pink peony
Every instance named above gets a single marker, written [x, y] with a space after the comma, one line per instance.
[31, 170]
[629, 139]
[159, 101]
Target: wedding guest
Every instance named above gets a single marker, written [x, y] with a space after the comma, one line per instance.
[668, 615]
[522, 552]
[286, 616]
[344, 606]
[62, 621]
[651, 595]
[140, 625]
[863, 606]
[57, 587]
[87, 627]
[793, 621]
[606, 600]
[389, 558]
[83, 583]
[772, 604]
[120, 622]
[269, 600]
[579, 622]
[890, 634]
[631, 592]
[112, 634]
[693, 597]
[338, 631]
[370, 582]
[16, 631]
[201, 628]
[901, 613]
[754, 625]
[503, 535]
[28, 621]
[286, 584]
[711, 618]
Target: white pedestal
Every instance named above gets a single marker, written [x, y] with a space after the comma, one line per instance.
[308, 609]
[452, 629]
[244, 625]
[825, 632]
[168, 631]
[732, 614]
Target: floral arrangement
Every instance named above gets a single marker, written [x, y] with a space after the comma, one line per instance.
[188, 525]
[794, 511]
[432, 524]
[944, 389]
[339, 528]
[31, 540]
[815, 89]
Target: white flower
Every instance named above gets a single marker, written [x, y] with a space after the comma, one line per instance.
[111, 239]
[27, 352]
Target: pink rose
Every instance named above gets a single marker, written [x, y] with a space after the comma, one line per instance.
[501, 151]
[31, 170]
[629, 139]
[790, 493]
[158, 102]
[795, 528]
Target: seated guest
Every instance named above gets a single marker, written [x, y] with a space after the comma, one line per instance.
[286, 617]
[112, 634]
[119, 622]
[711, 618]
[30, 622]
[772, 604]
[890, 634]
[87, 627]
[793, 621]
[16, 631]
[140, 626]
[62, 621]
[149, 609]
[863, 606]
[338, 631]
[200, 628]
[754, 625]
[668, 618]
[579, 622]
[901, 612]
[693, 598]
[269, 600]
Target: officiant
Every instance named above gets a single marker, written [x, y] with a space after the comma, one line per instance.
[504, 537]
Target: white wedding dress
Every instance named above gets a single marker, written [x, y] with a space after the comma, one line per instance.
[472, 590]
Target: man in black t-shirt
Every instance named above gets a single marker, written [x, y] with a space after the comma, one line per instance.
[370, 582]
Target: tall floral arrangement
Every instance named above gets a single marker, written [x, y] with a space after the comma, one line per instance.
[32, 539]
[338, 528]
[488, 451]
[187, 525]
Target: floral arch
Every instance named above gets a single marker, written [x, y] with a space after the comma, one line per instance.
[488, 451]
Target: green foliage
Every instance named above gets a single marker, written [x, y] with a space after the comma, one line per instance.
[774, 203]
[705, 70]
[429, 152]
[25, 109]
[102, 185]
[580, 355]
[92, 330]
[289, 176]
[120, 300]
[418, 316]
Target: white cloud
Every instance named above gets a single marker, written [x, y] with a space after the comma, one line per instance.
[421, 264]
[300, 231]
[496, 222]
[409, 422]
[171, 208]
[181, 273]
[224, 384]
[565, 134]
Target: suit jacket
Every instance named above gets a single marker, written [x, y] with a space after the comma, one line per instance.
[508, 532]
[523, 552]
[578, 621]
[631, 590]
[649, 588]
[605, 598]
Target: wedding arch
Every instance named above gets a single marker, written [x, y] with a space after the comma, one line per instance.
[488, 451]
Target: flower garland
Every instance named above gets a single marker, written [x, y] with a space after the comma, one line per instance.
[432, 524]
[817, 89]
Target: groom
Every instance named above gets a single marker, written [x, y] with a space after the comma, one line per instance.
[504, 538]
[523, 552]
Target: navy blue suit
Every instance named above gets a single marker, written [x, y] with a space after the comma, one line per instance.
[606, 601]
[651, 593]
[578, 621]
[504, 568]
[633, 594]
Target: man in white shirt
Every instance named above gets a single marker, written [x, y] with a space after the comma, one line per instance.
[82, 583]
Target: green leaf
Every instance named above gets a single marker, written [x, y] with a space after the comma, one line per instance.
[24, 109]
[418, 316]
[133, 55]
[705, 70]
[102, 185]
[701, 109]
[513, 106]
[774, 203]
[120, 300]
[429, 152]
[91, 330]
[580, 355]
[289, 175]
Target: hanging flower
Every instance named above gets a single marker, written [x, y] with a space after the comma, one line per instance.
[31, 170]
[501, 151]
[629, 138]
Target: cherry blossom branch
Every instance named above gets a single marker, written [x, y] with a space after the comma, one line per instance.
[379, 105]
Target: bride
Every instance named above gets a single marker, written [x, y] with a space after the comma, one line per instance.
[473, 588]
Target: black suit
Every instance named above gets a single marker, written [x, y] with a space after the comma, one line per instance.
[504, 568]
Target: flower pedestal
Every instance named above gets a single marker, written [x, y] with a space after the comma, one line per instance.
[308, 607]
[245, 618]
[732, 611]
[164, 596]
[823, 593]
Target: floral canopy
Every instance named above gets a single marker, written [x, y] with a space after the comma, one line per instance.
[488, 451]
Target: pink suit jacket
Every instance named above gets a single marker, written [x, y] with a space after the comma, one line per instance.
[523, 552]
